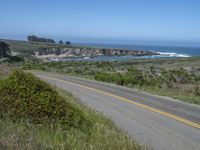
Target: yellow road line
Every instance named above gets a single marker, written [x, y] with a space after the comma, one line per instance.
[185, 121]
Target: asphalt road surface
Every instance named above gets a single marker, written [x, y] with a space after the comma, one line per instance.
[159, 122]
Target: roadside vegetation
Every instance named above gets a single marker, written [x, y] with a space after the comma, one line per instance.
[34, 115]
[177, 78]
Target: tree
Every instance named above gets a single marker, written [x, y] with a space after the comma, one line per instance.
[4, 50]
[68, 43]
[60, 42]
[33, 38]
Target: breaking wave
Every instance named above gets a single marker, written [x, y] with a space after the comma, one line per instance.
[171, 54]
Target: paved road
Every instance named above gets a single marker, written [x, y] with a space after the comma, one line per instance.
[159, 122]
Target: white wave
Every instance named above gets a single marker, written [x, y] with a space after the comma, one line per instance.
[172, 54]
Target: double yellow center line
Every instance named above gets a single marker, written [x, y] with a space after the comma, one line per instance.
[177, 118]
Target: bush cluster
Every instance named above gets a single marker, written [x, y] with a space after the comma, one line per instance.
[25, 97]
[157, 76]
[136, 77]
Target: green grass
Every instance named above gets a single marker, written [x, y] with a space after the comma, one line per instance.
[24, 133]
[179, 95]
[24, 96]
[104, 135]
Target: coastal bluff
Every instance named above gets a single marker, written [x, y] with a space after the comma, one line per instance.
[89, 52]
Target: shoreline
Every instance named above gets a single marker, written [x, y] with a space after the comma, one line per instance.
[110, 58]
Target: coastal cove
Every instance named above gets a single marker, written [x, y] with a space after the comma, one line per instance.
[98, 52]
[108, 58]
[163, 49]
[162, 52]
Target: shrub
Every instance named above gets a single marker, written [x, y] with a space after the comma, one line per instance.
[197, 90]
[14, 59]
[25, 97]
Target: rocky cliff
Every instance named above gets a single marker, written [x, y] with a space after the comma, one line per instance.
[4, 50]
[91, 52]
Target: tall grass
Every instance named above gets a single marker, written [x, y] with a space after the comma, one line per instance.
[5, 70]
[104, 135]
[100, 134]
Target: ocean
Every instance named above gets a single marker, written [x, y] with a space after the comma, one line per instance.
[164, 51]
[176, 51]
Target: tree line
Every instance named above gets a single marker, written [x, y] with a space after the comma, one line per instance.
[34, 38]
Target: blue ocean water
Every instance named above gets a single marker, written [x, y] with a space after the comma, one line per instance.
[176, 50]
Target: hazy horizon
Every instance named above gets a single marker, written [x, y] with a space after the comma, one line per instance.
[111, 42]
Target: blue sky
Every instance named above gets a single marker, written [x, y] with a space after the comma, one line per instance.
[103, 21]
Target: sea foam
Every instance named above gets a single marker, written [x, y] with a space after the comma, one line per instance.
[172, 54]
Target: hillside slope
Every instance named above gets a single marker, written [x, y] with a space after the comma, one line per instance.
[33, 115]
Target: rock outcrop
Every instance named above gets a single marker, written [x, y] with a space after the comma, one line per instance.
[4, 50]
[91, 52]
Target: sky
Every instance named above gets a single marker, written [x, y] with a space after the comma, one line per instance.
[103, 21]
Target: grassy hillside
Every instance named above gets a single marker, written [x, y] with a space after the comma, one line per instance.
[26, 47]
[33, 115]
[177, 78]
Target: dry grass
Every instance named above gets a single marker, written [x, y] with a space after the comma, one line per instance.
[5, 70]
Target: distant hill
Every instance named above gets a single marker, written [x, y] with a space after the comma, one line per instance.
[27, 47]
